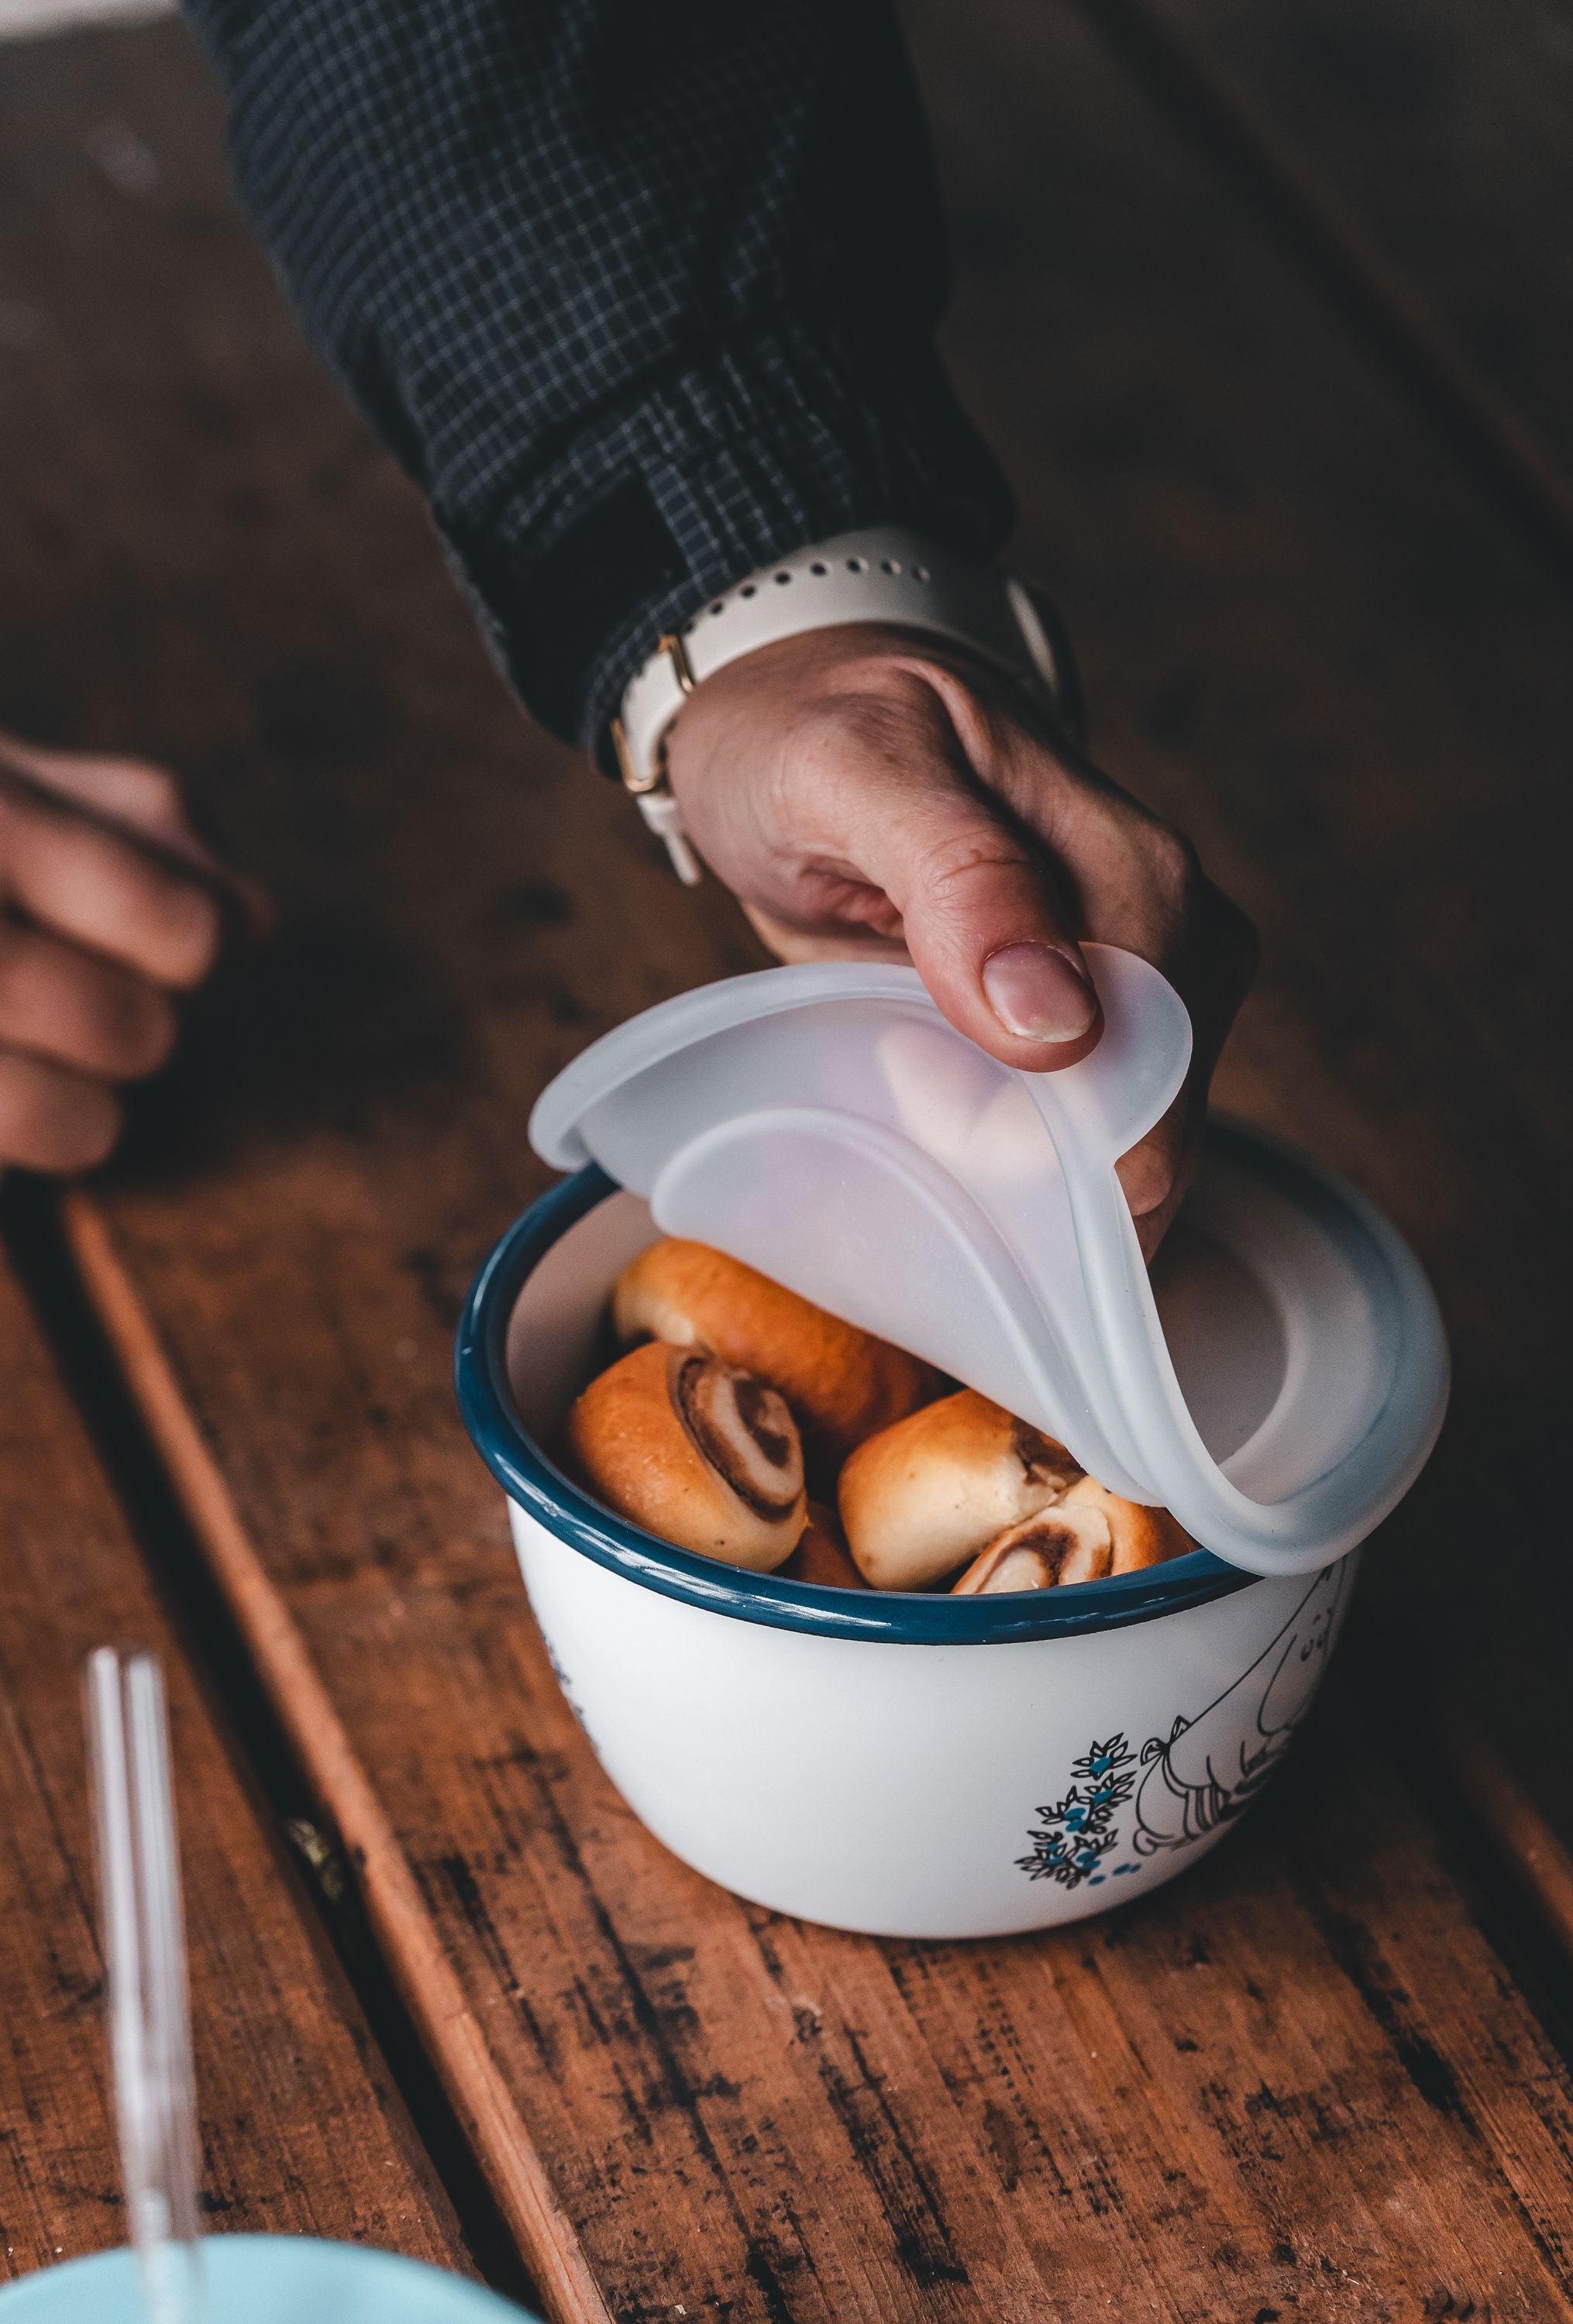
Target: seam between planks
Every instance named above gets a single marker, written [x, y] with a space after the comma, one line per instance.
[1502, 1812]
[1327, 241]
[431, 1989]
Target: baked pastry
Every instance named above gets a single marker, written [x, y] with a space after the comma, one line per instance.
[843, 1384]
[1140, 1536]
[1059, 1545]
[924, 1496]
[702, 1454]
[821, 1557]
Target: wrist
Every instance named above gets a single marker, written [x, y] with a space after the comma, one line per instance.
[896, 580]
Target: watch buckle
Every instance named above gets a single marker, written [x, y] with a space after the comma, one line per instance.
[650, 789]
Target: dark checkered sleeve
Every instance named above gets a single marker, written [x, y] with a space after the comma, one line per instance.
[643, 296]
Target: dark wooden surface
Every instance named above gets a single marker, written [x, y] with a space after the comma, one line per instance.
[302, 2133]
[1310, 2078]
[1431, 139]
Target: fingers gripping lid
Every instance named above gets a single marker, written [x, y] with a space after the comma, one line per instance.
[826, 1125]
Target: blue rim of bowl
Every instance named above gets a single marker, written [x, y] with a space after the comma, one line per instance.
[528, 1477]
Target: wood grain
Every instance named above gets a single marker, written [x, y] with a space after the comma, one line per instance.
[364, 1828]
[1425, 144]
[1301, 2079]
[1305, 2075]
[302, 2132]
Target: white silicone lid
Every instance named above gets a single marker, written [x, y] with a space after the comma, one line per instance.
[826, 1124]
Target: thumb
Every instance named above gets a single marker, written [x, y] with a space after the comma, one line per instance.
[985, 926]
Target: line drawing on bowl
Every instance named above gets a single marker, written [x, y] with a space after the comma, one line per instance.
[1206, 1772]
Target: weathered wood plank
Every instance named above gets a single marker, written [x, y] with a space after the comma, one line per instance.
[1302, 2076]
[302, 2131]
[1298, 623]
[445, 2016]
[1427, 145]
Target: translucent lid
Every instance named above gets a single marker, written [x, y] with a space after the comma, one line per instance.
[826, 1124]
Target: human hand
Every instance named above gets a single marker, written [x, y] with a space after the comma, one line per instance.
[98, 932]
[865, 795]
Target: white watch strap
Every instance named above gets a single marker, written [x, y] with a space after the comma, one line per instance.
[884, 575]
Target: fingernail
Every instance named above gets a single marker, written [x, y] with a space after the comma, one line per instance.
[1039, 993]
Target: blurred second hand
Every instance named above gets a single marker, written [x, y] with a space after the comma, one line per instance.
[245, 910]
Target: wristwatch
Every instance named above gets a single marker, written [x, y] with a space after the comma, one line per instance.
[882, 574]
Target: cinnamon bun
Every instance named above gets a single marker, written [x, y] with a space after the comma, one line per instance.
[823, 1557]
[1059, 1545]
[703, 1454]
[843, 1384]
[1140, 1536]
[922, 1496]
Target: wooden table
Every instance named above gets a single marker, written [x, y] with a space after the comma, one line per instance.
[1265, 310]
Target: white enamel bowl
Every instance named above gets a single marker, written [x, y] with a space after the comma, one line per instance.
[910, 1765]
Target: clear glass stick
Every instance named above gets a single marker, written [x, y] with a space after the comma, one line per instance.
[144, 1946]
